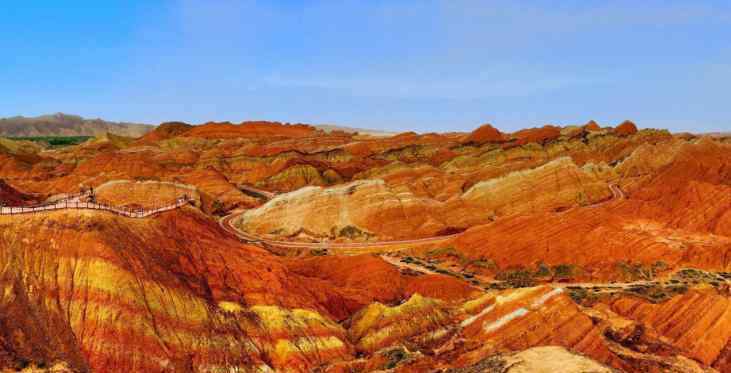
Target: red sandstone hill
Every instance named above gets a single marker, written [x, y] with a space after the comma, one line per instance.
[485, 134]
[592, 126]
[541, 135]
[250, 129]
[165, 131]
[190, 284]
[626, 128]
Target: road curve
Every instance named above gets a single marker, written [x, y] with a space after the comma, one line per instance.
[617, 191]
[227, 224]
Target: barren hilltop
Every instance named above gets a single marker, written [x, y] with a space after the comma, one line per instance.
[265, 246]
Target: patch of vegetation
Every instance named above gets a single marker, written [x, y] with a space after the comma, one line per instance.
[517, 278]
[654, 294]
[146, 178]
[639, 271]
[583, 296]
[444, 251]
[542, 270]
[352, 232]
[55, 141]
[395, 357]
[319, 252]
[485, 263]
[562, 272]
[696, 276]
[218, 207]
[582, 199]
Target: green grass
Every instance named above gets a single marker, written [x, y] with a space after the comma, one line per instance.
[55, 141]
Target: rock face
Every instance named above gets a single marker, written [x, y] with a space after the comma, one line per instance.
[357, 210]
[377, 326]
[369, 208]
[698, 323]
[561, 184]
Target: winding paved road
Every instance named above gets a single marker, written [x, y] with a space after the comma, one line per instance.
[227, 224]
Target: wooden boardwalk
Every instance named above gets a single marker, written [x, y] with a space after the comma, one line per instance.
[75, 203]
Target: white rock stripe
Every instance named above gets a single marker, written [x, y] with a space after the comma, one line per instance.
[499, 323]
[522, 311]
[468, 321]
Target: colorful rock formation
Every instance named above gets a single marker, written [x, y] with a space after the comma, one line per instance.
[578, 247]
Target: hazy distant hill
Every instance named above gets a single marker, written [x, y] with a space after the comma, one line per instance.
[720, 134]
[67, 125]
[362, 131]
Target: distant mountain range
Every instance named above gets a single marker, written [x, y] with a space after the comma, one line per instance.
[67, 125]
[61, 124]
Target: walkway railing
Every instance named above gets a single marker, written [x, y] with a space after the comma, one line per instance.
[76, 204]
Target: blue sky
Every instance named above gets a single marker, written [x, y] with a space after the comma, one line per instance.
[394, 65]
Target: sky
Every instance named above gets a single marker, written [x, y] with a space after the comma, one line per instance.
[396, 65]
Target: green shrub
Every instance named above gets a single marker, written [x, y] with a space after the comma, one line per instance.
[448, 251]
[635, 272]
[56, 141]
[485, 263]
[318, 252]
[217, 206]
[543, 270]
[517, 278]
[353, 232]
[563, 271]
